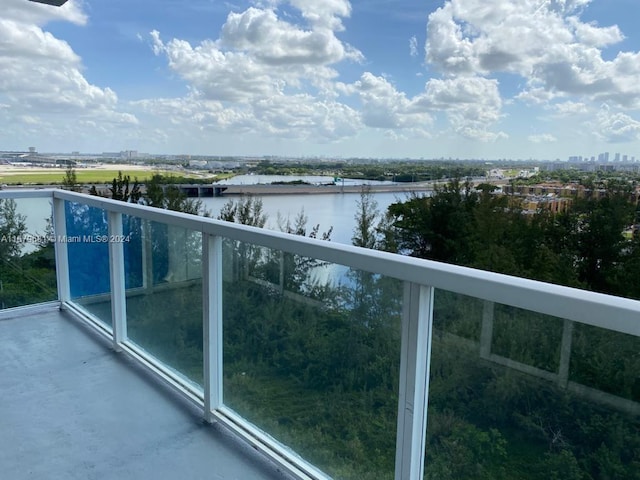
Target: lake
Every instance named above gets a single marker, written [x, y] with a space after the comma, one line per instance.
[328, 210]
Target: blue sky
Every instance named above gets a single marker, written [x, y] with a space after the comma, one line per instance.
[369, 78]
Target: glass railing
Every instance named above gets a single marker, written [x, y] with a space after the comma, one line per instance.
[164, 294]
[88, 253]
[27, 259]
[519, 394]
[312, 356]
[355, 364]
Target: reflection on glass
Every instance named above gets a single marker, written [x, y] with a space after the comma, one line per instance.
[506, 409]
[527, 337]
[27, 259]
[606, 361]
[457, 315]
[311, 356]
[132, 243]
[164, 294]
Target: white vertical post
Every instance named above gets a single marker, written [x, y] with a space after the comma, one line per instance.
[116, 277]
[486, 334]
[212, 323]
[60, 247]
[415, 362]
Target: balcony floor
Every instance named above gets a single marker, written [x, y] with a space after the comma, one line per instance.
[72, 408]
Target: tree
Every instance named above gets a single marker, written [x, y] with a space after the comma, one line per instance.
[598, 237]
[367, 215]
[288, 271]
[436, 227]
[246, 211]
[12, 230]
[70, 180]
[120, 189]
[171, 198]
[494, 236]
[294, 271]
[154, 195]
[177, 201]
[25, 278]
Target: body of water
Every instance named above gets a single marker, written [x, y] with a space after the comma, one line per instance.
[327, 210]
[311, 179]
[337, 210]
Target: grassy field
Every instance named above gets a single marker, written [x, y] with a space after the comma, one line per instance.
[84, 176]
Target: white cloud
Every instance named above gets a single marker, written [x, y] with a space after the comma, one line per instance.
[592, 35]
[306, 117]
[413, 46]
[267, 75]
[325, 14]
[42, 80]
[383, 106]
[542, 138]
[570, 108]
[300, 116]
[39, 14]
[545, 43]
[615, 127]
[260, 55]
[269, 40]
[473, 105]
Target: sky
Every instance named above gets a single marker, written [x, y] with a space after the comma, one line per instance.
[483, 79]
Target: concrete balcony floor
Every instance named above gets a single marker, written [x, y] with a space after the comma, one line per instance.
[71, 408]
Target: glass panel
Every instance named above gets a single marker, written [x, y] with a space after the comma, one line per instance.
[311, 356]
[606, 361]
[164, 294]
[504, 409]
[527, 337]
[134, 262]
[87, 229]
[27, 258]
[457, 315]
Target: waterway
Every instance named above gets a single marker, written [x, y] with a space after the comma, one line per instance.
[331, 210]
[311, 179]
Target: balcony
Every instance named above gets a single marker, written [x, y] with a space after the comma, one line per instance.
[143, 343]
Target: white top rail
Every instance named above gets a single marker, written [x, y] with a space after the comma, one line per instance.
[600, 310]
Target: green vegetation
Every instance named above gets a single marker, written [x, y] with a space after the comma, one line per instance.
[27, 261]
[397, 171]
[160, 192]
[57, 177]
[486, 420]
[312, 350]
[583, 246]
[489, 421]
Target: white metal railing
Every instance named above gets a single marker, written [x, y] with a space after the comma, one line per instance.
[421, 277]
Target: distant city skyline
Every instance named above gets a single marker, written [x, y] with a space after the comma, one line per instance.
[135, 155]
[491, 79]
